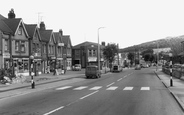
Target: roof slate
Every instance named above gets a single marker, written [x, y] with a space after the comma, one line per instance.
[13, 23]
[4, 28]
[30, 29]
[66, 40]
[45, 35]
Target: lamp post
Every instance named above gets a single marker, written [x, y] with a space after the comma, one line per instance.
[98, 58]
[170, 67]
[32, 80]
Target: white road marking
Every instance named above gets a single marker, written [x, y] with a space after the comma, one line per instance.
[112, 88]
[128, 88]
[62, 88]
[120, 79]
[88, 95]
[145, 88]
[110, 84]
[80, 88]
[54, 110]
[96, 88]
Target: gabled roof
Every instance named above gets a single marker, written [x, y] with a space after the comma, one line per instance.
[14, 23]
[45, 35]
[30, 29]
[66, 40]
[57, 37]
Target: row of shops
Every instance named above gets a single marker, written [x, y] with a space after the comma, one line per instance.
[21, 65]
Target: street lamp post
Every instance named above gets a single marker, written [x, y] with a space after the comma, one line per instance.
[98, 56]
[170, 66]
[32, 80]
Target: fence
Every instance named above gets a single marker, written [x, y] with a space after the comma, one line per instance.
[177, 70]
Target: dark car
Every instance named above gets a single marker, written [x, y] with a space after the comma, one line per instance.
[92, 72]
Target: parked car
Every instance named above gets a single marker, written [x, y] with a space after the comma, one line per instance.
[144, 65]
[77, 67]
[92, 72]
[137, 67]
[117, 68]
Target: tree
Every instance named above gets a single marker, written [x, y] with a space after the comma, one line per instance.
[109, 53]
[131, 57]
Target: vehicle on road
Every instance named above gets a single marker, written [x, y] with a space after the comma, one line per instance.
[117, 68]
[92, 72]
[77, 67]
[137, 67]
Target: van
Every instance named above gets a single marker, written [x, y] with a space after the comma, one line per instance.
[92, 72]
[117, 68]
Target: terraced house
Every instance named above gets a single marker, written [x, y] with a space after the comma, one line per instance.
[15, 46]
[20, 41]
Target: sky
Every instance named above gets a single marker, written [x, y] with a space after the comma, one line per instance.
[125, 22]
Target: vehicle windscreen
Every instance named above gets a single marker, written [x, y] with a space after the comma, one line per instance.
[115, 67]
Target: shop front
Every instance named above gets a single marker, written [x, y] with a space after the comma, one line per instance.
[21, 65]
[59, 64]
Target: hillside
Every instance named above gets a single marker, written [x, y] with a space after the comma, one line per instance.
[172, 42]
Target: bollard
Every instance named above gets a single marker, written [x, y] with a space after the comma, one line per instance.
[32, 82]
[171, 82]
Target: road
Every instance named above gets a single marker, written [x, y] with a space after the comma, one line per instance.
[131, 92]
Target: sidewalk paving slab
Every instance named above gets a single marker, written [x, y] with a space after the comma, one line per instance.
[177, 90]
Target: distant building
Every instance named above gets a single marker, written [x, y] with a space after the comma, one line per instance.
[86, 54]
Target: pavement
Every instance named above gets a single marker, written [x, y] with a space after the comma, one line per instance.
[177, 88]
[42, 82]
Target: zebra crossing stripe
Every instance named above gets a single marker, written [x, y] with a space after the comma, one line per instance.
[128, 88]
[65, 87]
[145, 88]
[112, 88]
[96, 88]
[80, 88]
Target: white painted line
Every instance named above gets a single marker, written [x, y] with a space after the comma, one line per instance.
[110, 84]
[54, 110]
[125, 76]
[88, 95]
[62, 88]
[120, 79]
[80, 88]
[128, 88]
[145, 88]
[96, 88]
[112, 88]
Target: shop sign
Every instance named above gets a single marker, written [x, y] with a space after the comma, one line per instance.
[92, 59]
[53, 57]
[60, 44]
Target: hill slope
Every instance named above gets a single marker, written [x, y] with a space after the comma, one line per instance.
[170, 42]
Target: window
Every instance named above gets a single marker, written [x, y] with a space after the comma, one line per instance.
[94, 52]
[6, 45]
[16, 45]
[90, 52]
[22, 46]
[44, 48]
[20, 31]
